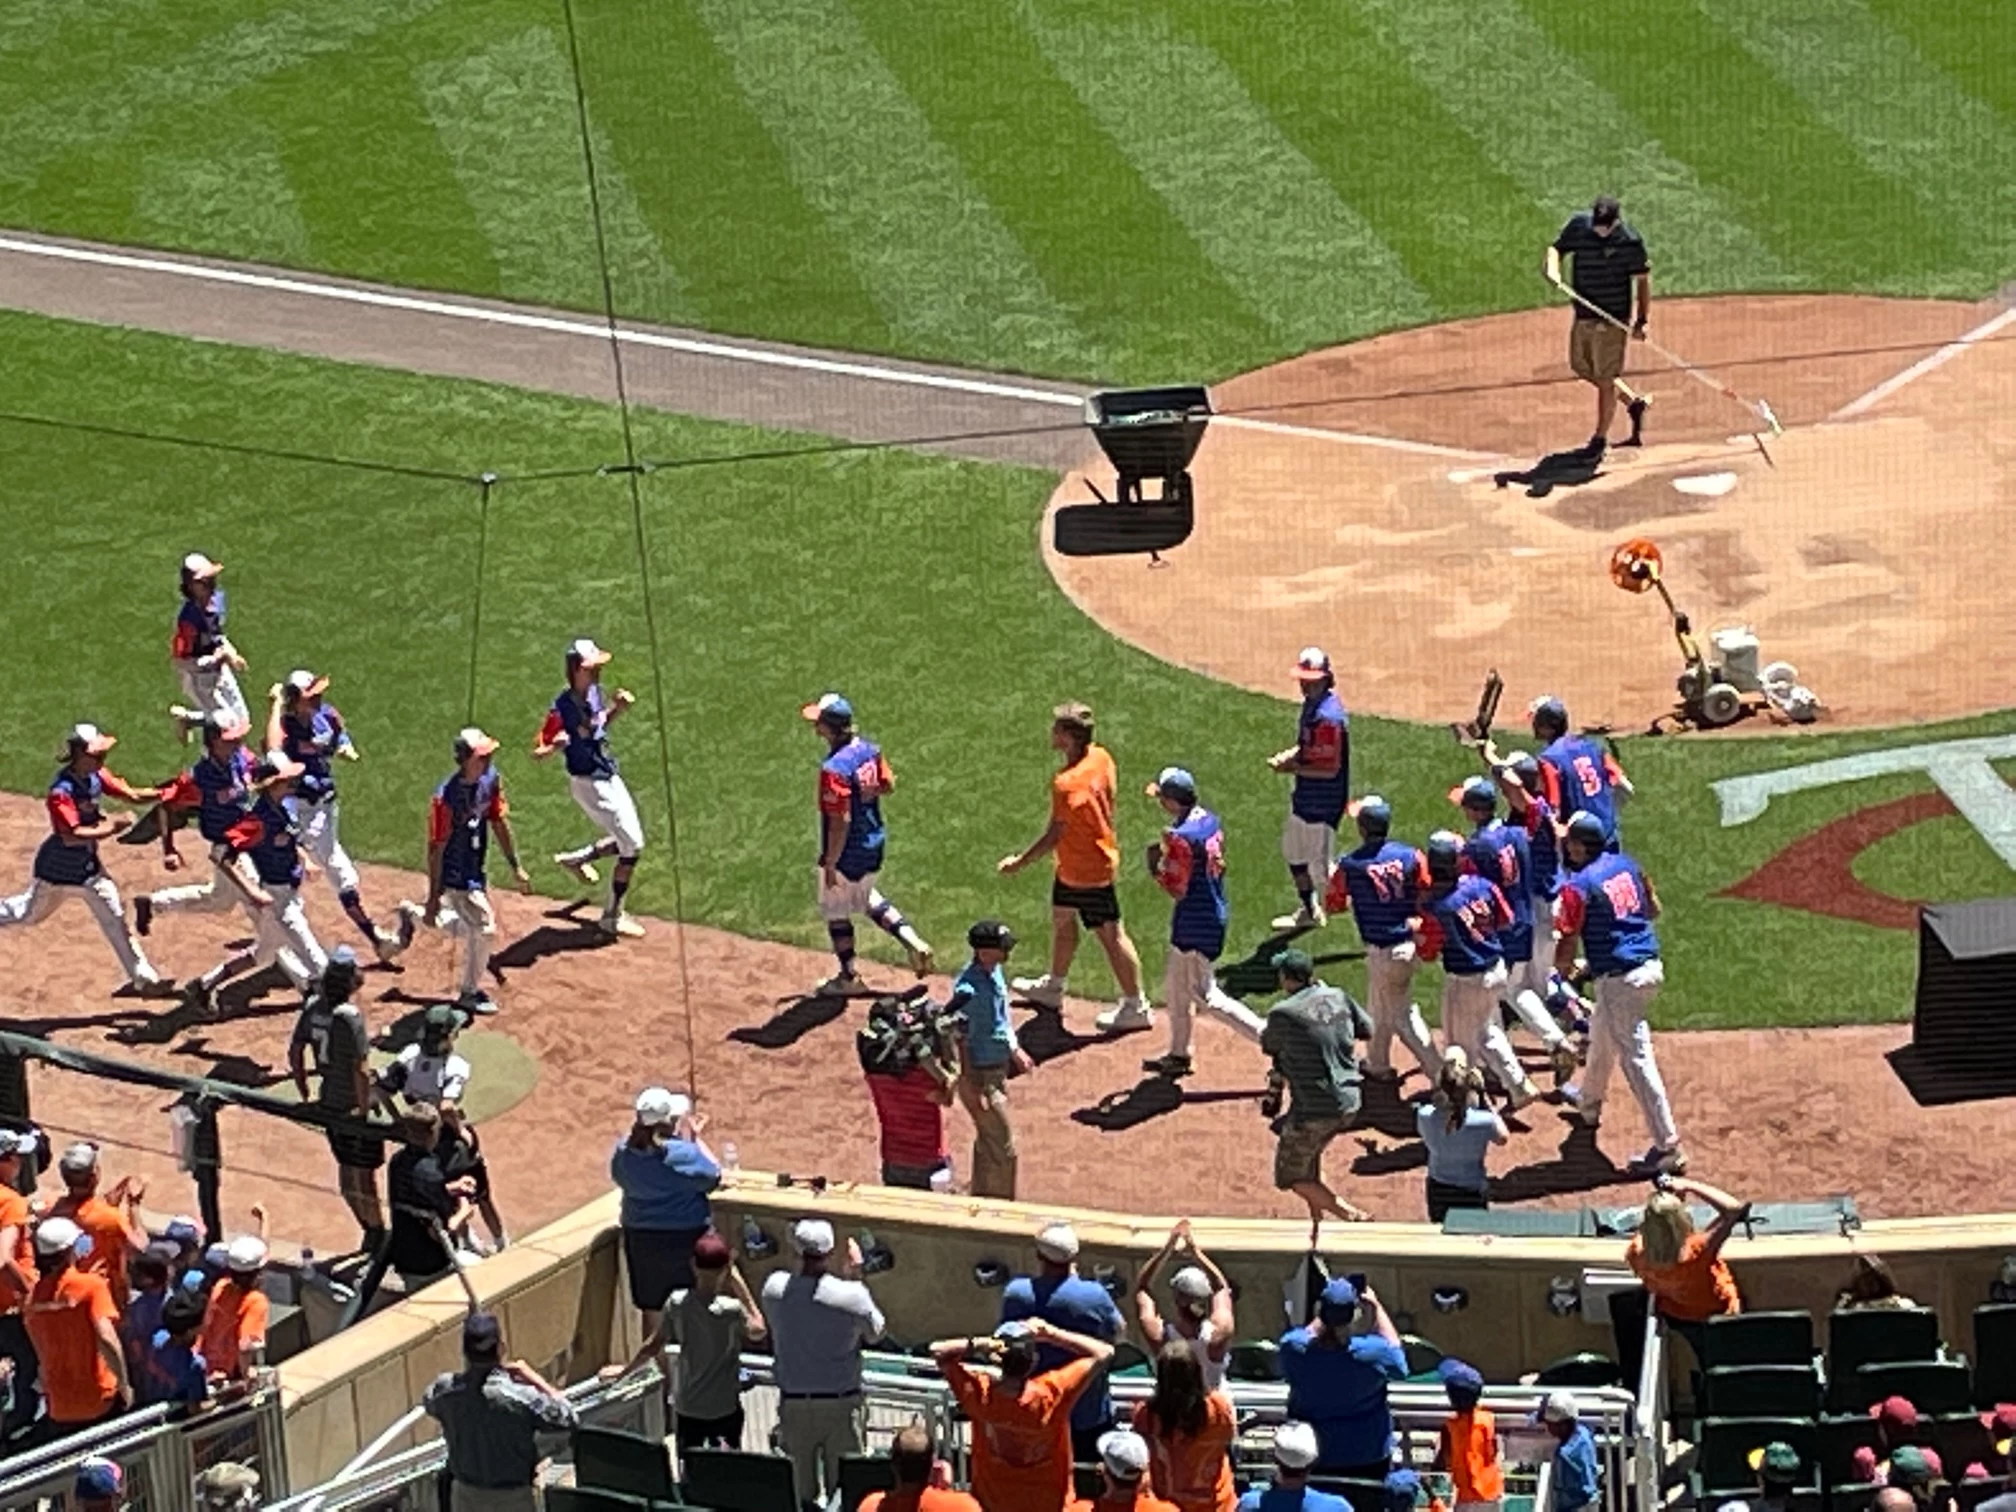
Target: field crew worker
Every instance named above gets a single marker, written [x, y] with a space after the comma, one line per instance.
[74, 1325]
[1381, 883]
[1320, 763]
[1608, 268]
[1082, 839]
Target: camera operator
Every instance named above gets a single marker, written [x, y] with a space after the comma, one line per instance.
[909, 1051]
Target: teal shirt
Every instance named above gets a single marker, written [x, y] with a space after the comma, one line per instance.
[981, 993]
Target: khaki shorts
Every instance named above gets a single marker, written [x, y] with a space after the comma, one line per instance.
[1299, 1155]
[1596, 350]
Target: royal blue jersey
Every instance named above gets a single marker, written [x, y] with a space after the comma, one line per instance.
[1381, 883]
[73, 804]
[459, 823]
[226, 792]
[1500, 853]
[1192, 871]
[1609, 904]
[584, 719]
[1543, 841]
[267, 835]
[199, 628]
[851, 782]
[1323, 734]
[1463, 925]
[313, 740]
[1581, 778]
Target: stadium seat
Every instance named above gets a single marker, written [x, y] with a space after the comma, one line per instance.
[1791, 1391]
[1937, 1388]
[1088, 1482]
[1255, 1360]
[732, 1480]
[1586, 1369]
[1994, 1354]
[862, 1473]
[1851, 1498]
[1759, 1338]
[1130, 1358]
[587, 1499]
[1423, 1357]
[1962, 1439]
[1723, 1447]
[1969, 1494]
[1835, 1440]
[1873, 1336]
[609, 1459]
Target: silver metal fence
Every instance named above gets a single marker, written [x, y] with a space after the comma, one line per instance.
[161, 1455]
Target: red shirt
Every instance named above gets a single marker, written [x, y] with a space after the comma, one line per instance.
[912, 1119]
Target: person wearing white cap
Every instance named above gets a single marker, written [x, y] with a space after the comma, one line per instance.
[1577, 1482]
[67, 865]
[1203, 1311]
[467, 808]
[202, 654]
[577, 726]
[1320, 763]
[304, 726]
[1124, 1458]
[1022, 1443]
[1061, 1297]
[666, 1174]
[234, 1322]
[1295, 1451]
[74, 1326]
[820, 1317]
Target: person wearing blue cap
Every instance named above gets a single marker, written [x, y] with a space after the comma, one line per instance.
[1467, 1451]
[100, 1486]
[1188, 863]
[1577, 776]
[852, 779]
[1609, 903]
[1337, 1370]
[1381, 882]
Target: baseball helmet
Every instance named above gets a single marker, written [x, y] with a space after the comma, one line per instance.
[1445, 855]
[1526, 767]
[1586, 828]
[991, 934]
[1475, 793]
[1374, 815]
[1549, 712]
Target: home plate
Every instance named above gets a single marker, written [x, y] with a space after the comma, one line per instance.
[1707, 485]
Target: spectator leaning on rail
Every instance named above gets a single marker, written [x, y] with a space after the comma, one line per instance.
[818, 1323]
[1337, 1370]
[1064, 1299]
[1021, 1418]
[1295, 1453]
[17, 1279]
[1311, 1034]
[665, 1175]
[1682, 1269]
[913, 1464]
[490, 1414]
[1576, 1482]
[234, 1323]
[1190, 1429]
[74, 1327]
[712, 1321]
[1203, 1311]
[1123, 1467]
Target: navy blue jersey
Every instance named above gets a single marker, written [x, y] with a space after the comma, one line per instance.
[1193, 873]
[226, 789]
[1462, 925]
[313, 741]
[459, 823]
[1322, 734]
[267, 835]
[584, 719]
[73, 804]
[1500, 853]
[851, 782]
[1381, 883]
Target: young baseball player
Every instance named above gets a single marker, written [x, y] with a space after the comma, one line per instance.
[67, 864]
[1188, 863]
[303, 725]
[1462, 917]
[1502, 854]
[467, 808]
[333, 1032]
[1381, 883]
[1609, 903]
[1082, 838]
[1320, 762]
[578, 727]
[202, 654]
[1577, 776]
[852, 780]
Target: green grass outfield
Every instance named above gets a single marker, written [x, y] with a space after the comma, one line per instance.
[1111, 189]
[911, 582]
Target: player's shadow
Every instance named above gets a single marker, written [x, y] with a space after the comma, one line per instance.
[1384, 1109]
[227, 1066]
[569, 932]
[1046, 1037]
[1579, 1166]
[795, 1019]
[266, 993]
[1373, 1161]
[1151, 1097]
[1255, 976]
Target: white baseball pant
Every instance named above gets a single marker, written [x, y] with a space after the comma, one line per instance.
[849, 898]
[1526, 991]
[213, 690]
[281, 933]
[1309, 844]
[466, 915]
[101, 896]
[317, 824]
[1190, 984]
[1389, 976]
[607, 801]
[1618, 1030]
[218, 895]
[1470, 1019]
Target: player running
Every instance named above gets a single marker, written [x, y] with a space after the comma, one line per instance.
[852, 780]
[202, 653]
[67, 865]
[1382, 883]
[578, 727]
[1320, 762]
[1462, 917]
[1188, 863]
[303, 725]
[1577, 776]
[466, 809]
[1608, 901]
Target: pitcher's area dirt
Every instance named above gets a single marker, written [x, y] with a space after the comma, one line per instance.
[1781, 1114]
[1864, 553]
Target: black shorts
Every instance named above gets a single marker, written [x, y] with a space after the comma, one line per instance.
[660, 1262]
[359, 1152]
[1097, 906]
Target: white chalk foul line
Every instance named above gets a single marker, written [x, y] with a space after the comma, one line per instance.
[1352, 438]
[1922, 366]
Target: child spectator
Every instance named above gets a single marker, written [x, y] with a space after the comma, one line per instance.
[1189, 1432]
[1576, 1482]
[1778, 1468]
[112, 1222]
[1897, 1426]
[462, 1155]
[150, 1277]
[912, 1070]
[234, 1324]
[74, 1327]
[100, 1486]
[172, 1370]
[187, 1236]
[1468, 1450]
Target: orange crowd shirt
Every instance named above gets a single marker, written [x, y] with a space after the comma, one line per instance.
[234, 1324]
[111, 1249]
[1693, 1288]
[14, 1211]
[1193, 1471]
[1081, 799]
[1021, 1441]
[62, 1318]
[1470, 1451]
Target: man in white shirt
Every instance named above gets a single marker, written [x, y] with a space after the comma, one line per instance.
[819, 1319]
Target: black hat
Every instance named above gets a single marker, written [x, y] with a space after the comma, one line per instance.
[1605, 211]
[482, 1335]
[991, 934]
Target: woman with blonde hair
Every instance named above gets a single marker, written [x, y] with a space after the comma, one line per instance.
[1459, 1130]
[1682, 1267]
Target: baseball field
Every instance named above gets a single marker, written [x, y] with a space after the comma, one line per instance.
[1091, 194]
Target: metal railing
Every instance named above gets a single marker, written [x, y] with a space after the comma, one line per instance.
[161, 1452]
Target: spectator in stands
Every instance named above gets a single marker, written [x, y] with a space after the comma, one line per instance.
[819, 1320]
[911, 1067]
[1898, 1424]
[1123, 1471]
[426, 1205]
[173, 1368]
[100, 1486]
[1337, 1370]
[150, 1278]
[111, 1222]
[1189, 1429]
[74, 1327]
[1311, 1034]
[332, 1026]
[1870, 1285]
[17, 1279]
[913, 1463]
[1295, 1453]
[1068, 1301]
[1022, 1417]
[1459, 1128]
[1577, 1484]
[712, 1321]
[1682, 1269]
[461, 1154]
[1468, 1449]
[234, 1323]
[187, 1237]
[490, 1414]
[2000, 1421]
[1917, 1471]
[666, 1176]
[228, 1487]
[989, 1057]
[1894, 1499]
[1778, 1471]
[1203, 1311]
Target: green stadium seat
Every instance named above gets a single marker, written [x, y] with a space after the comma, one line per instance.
[862, 1473]
[1962, 1439]
[1835, 1440]
[609, 1459]
[1762, 1391]
[587, 1499]
[1969, 1494]
[1851, 1498]
[1874, 1336]
[1723, 1447]
[1254, 1360]
[1088, 1482]
[732, 1480]
[1423, 1358]
[1759, 1338]
[1585, 1369]
[1937, 1388]
[1994, 1354]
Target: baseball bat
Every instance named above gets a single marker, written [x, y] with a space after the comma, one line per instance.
[1758, 407]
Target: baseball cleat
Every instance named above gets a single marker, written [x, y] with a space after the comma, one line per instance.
[476, 1004]
[1045, 991]
[154, 987]
[411, 917]
[1524, 1095]
[143, 914]
[1564, 1060]
[199, 999]
[1125, 1017]
[1590, 1109]
[584, 871]
[1170, 1066]
[621, 925]
[187, 721]
[1303, 918]
[388, 944]
[920, 956]
[840, 984]
[1668, 1161]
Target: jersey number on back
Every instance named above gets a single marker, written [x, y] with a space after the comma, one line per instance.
[1388, 879]
[1621, 889]
[1589, 775]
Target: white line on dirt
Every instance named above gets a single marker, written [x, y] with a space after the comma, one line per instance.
[1351, 438]
[1923, 365]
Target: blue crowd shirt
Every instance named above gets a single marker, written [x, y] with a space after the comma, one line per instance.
[664, 1186]
[981, 992]
[1340, 1391]
[1076, 1305]
[1291, 1499]
[1575, 1477]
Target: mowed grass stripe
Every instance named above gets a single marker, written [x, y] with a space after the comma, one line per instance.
[508, 121]
[1973, 42]
[1565, 138]
[1302, 259]
[1908, 120]
[943, 268]
[1109, 247]
[33, 31]
[233, 188]
[1804, 189]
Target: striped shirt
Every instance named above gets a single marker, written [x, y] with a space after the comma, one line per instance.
[911, 1118]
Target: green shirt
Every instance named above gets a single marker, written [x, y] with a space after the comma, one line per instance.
[1312, 1037]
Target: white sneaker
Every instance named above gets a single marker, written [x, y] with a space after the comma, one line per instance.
[578, 866]
[1311, 917]
[1125, 1017]
[1046, 991]
[621, 924]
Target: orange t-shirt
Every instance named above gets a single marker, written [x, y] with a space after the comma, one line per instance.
[1142, 1500]
[14, 1211]
[1194, 1472]
[1021, 1443]
[1081, 798]
[111, 1249]
[930, 1499]
[233, 1323]
[1693, 1288]
[62, 1319]
[1470, 1450]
